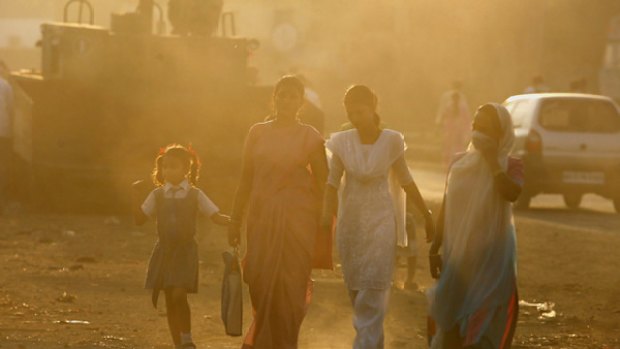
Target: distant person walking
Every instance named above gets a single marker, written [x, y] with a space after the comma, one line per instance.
[175, 204]
[282, 182]
[578, 86]
[453, 121]
[367, 218]
[447, 98]
[537, 86]
[6, 132]
[475, 303]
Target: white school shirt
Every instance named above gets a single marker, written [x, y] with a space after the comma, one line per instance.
[205, 205]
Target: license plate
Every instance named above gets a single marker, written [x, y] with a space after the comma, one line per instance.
[583, 177]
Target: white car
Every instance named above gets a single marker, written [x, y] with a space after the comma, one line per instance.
[570, 145]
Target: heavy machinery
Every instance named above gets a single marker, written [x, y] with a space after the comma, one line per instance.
[106, 100]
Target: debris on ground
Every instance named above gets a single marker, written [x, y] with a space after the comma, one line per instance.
[66, 298]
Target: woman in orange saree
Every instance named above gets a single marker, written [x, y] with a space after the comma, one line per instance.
[283, 177]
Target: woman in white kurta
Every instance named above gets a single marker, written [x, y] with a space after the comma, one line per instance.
[367, 216]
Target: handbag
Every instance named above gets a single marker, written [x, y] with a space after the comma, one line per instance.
[232, 301]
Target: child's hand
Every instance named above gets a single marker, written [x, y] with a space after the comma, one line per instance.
[140, 189]
[220, 219]
[139, 185]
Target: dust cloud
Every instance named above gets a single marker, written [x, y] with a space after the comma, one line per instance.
[411, 51]
[134, 94]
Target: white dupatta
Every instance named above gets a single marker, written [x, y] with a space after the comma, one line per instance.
[384, 152]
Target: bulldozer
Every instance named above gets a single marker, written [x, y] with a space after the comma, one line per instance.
[107, 99]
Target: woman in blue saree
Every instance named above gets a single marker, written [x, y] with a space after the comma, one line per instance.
[474, 303]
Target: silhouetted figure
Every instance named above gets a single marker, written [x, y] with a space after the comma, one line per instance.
[537, 86]
[474, 254]
[194, 17]
[369, 224]
[453, 121]
[175, 204]
[283, 175]
[578, 86]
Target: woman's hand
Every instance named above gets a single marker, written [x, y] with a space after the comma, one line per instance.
[435, 264]
[434, 260]
[509, 189]
[234, 234]
[490, 157]
[488, 148]
[429, 226]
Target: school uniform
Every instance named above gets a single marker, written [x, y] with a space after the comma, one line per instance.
[174, 260]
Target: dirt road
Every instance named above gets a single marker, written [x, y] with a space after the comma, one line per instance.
[70, 281]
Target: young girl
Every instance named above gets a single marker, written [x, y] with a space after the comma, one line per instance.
[174, 204]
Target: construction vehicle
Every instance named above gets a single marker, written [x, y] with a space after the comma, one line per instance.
[106, 100]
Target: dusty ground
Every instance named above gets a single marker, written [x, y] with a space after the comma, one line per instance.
[59, 268]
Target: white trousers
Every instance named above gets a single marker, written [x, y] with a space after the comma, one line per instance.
[369, 308]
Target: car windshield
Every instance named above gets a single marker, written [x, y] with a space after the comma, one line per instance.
[574, 115]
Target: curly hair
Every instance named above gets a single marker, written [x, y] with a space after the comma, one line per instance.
[187, 155]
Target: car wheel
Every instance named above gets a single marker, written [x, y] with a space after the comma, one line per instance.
[523, 202]
[572, 200]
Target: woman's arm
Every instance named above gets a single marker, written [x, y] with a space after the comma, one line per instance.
[438, 239]
[318, 164]
[330, 197]
[330, 203]
[243, 193]
[434, 259]
[413, 193]
[508, 188]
